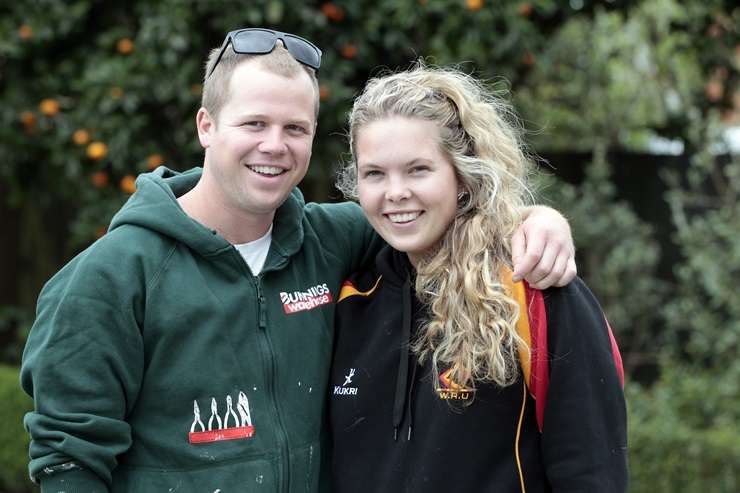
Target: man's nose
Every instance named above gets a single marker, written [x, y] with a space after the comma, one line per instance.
[273, 142]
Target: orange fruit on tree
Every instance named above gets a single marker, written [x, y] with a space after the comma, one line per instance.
[324, 92]
[128, 184]
[81, 137]
[525, 9]
[125, 46]
[25, 32]
[27, 118]
[97, 150]
[49, 106]
[154, 160]
[349, 51]
[99, 179]
[474, 5]
[332, 12]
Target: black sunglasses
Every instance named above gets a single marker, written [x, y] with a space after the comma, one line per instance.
[257, 41]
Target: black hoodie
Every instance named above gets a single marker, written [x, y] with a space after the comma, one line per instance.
[399, 427]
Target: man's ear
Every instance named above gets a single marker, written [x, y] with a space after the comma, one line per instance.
[205, 125]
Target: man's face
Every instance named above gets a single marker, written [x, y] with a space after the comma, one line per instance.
[260, 146]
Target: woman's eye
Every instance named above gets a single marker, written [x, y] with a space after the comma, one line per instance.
[419, 169]
[254, 124]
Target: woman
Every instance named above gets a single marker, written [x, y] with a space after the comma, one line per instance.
[428, 391]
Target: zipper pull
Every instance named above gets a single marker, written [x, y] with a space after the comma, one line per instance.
[260, 304]
[263, 313]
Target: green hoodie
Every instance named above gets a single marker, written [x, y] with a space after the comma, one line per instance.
[158, 362]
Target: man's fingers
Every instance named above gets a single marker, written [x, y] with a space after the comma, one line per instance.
[531, 258]
[551, 277]
[542, 250]
[570, 273]
[543, 269]
[563, 272]
[518, 245]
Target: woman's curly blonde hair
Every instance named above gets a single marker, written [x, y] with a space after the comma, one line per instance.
[472, 322]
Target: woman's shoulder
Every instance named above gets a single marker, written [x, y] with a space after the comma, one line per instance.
[573, 301]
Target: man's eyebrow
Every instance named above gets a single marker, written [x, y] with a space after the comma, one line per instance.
[247, 116]
[302, 121]
[264, 116]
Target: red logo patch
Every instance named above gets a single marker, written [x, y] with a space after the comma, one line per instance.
[299, 301]
[222, 429]
[219, 435]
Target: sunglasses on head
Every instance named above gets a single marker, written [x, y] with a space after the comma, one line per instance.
[257, 41]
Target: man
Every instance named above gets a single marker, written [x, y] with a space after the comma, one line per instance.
[189, 347]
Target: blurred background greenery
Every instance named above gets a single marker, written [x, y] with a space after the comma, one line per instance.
[630, 106]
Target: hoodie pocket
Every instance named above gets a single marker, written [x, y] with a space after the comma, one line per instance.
[238, 475]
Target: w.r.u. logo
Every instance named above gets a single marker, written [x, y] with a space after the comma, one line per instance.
[448, 389]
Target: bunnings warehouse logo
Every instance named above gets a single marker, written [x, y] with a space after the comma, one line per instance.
[299, 301]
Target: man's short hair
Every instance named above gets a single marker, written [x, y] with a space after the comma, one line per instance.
[279, 61]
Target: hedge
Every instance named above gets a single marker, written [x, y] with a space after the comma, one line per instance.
[683, 433]
[13, 437]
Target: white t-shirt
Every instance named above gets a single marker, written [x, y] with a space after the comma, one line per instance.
[255, 252]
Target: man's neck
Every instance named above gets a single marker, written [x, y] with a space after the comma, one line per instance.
[235, 225]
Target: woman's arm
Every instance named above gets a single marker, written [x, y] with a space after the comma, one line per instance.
[584, 434]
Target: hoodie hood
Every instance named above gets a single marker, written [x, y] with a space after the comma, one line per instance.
[394, 266]
[154, 207]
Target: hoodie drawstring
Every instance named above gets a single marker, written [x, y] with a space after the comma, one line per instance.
[410, 397]
[403, 360]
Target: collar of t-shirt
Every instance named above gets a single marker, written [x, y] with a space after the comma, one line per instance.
[254, 253]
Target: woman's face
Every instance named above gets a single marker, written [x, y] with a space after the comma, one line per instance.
[406, 185]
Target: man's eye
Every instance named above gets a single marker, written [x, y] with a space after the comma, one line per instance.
[297, 129]
[255, 124]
